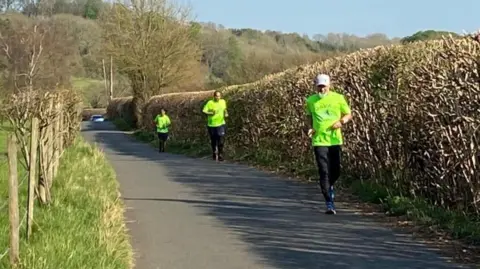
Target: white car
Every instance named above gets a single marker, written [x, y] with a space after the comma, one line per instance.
[97, 118]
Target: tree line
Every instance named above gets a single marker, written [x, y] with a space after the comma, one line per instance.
[154, 47]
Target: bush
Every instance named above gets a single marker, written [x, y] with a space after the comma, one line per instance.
[121, 108]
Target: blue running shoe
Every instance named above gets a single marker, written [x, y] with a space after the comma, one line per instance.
[331, 193]
[330, 209]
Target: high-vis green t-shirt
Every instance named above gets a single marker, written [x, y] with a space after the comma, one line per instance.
[163, 122]
[325, 111]
[219, 107]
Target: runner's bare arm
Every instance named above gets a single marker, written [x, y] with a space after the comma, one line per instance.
[309, 121]
[346, 111]
[207, 111]
[346, 118]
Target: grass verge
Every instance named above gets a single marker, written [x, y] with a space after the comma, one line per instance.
[417, 210]
[83, 227]
[458, 225]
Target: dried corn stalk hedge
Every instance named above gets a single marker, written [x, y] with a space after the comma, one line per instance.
[416, 118]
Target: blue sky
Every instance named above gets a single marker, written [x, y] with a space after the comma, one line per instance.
[359, 17]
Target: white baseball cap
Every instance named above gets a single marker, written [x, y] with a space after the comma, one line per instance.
[322, 79]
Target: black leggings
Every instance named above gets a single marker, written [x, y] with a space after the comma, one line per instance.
[217, 135]
[328, 160]
[162, 138]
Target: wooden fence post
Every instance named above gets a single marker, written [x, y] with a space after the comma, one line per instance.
[50, 160]
[42, 179]
[62, 130]
[56, 138]
[13, 209]
[31, 173]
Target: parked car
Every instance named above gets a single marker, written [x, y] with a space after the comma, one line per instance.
[97, 118]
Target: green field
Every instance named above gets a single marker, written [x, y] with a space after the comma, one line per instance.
[85, 83]
[92, 91]
[83, 227]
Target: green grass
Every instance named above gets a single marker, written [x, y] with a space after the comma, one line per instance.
[91, 90]
[422, 213]
[84, 225]
[418, 210]
[83, 84]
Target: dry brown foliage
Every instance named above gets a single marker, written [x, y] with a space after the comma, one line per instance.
[120, 107]
[416, 126]
[153, 45]
[59, 114]
[37, 53]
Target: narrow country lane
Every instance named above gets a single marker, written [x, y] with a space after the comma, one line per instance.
[186, 213]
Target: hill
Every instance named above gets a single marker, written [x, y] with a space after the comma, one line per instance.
[235, 56]
[228, 56]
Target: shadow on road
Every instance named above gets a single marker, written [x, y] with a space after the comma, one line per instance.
[281, 220]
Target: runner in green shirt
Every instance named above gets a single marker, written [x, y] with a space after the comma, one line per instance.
[216, 111]
[327, 112]
[162, 122]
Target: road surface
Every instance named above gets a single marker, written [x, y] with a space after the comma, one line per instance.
[186, 213]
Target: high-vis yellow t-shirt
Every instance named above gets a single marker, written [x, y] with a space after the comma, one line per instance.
[162, 123]
[219, 107]
[325, 111]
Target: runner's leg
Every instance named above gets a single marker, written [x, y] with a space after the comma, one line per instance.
[321, 158]
[213, 141]
[220, 142]
[159, 135]
[334, 161]
[164, 141]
